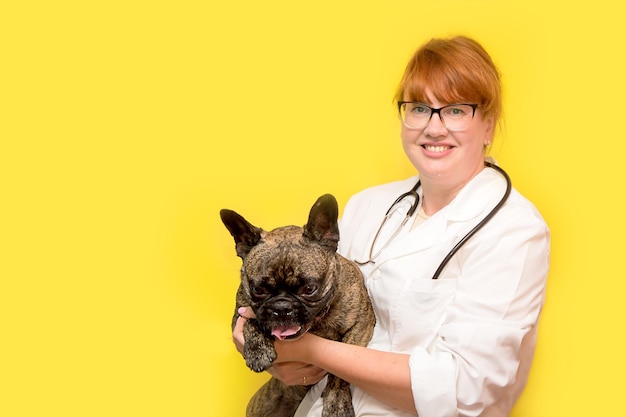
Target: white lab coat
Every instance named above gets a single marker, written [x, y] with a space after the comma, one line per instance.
[471, 334]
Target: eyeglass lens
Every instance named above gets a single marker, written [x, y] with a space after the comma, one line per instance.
[453, 117]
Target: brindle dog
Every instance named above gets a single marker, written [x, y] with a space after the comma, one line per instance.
[296, 282]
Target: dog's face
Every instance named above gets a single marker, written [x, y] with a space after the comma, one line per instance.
[288, 281]
[288, 275]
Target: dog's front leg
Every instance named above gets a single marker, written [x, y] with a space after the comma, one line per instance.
[258, 350]
[337, 398]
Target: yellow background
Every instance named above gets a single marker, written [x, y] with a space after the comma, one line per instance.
[126, 125]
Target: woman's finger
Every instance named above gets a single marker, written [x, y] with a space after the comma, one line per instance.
[246, 312]
[238, 338]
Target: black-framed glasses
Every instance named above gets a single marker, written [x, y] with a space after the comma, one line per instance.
[416, 115]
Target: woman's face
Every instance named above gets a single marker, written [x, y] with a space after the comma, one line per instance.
[447, 158]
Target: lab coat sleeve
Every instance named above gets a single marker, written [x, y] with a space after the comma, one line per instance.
[489, 325]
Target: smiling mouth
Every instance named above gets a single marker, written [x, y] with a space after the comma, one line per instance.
[436, 148]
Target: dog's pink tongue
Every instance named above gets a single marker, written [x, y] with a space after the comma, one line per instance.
[282, 333]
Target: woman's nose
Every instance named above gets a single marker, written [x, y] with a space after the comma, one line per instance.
[435, 126]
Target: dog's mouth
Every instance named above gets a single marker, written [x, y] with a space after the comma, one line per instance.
[295, 331]
[290, 332]
[285, 332]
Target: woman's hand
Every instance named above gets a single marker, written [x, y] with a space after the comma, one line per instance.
[297, 373]
[245, 313]
[289, 372]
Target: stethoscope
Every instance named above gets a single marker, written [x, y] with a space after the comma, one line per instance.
[413, 193]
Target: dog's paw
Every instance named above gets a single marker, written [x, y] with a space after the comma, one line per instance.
[260, 360]
[338, 403]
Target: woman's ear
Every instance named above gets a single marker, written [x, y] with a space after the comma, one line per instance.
[489, 131]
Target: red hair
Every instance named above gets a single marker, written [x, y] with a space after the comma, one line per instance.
[455, 70]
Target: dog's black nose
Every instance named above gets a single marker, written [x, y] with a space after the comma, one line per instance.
[282, 308]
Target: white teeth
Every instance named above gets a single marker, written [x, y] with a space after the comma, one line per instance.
[431, 148]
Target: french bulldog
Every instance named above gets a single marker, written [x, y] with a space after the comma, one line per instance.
[295, 282]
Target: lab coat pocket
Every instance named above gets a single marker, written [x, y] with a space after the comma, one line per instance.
[421, 311]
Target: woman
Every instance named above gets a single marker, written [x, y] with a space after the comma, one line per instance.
[460, 344]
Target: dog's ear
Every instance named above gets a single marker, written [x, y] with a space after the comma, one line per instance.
[246, 235]
[322, 226]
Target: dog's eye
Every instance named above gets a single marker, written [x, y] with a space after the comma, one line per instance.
[309, 289]
[258, 291]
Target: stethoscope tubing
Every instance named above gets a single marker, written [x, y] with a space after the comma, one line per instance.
[479, 226]
[407, 216]
[413, 193]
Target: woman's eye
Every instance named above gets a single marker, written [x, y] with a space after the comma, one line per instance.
[458, 111]
[419, 109]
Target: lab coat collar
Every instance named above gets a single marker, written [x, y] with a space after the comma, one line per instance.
[478, 197]
[470, 205]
